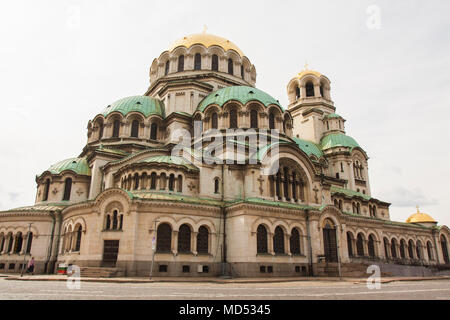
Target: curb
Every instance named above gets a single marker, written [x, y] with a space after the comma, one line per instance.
[226, 281]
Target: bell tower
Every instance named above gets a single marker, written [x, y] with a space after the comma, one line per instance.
[310, 104]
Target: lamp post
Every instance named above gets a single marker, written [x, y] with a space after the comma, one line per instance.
[153, 248]
[25, 255]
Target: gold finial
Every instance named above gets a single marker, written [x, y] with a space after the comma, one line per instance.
[205, 28]
[306, 65]
[417, 209]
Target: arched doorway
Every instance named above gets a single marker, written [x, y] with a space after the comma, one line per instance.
[329, 241]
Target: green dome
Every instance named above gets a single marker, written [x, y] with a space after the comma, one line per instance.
[310, 148]
[332, 116]
[338, 140]
[77, 165]
[242, 94]
[179, 161]
[143, 104]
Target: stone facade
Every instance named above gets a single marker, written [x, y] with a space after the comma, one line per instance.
[164, 170]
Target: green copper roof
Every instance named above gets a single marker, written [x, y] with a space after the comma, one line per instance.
[332, 116]
[77, 165]
[143, 104]
[337, 140]
[242, 94]
[179, 161]
[349, 192]
[310, 148]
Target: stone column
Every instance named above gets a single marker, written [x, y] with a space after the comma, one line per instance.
[194, 242]
[175, 242]
[270, 243]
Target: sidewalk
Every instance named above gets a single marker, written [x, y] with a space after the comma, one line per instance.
[211, 279]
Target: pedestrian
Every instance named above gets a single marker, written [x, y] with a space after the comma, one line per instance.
[30, 268]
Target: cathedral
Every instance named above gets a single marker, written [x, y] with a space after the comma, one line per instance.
[204, 175]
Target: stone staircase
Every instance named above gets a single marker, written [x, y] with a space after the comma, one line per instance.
[349, 270]
[101, 272]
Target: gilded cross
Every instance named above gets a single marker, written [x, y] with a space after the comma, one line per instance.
[261, 180]
[316, 199]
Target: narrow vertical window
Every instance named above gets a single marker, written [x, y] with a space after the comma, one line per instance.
[115, 220]
[278, 241]
[116, 128]
[46, 190]
[230, 66]
[297, 92]
[198, 61]
[184, 238]
[216, 185]
[78, 239]
[29, 242]
[233, 119]
[153, 131]
[309, 89]
[261, 239]
[67, 189]
[166, 71]
[202, 240]
[215, 62]
[242, 72]
[100, 131]
[153, 181]
[180, 63]
[271, 121]
[253, 119]
[214, 121]
[171, 182]
[180, 183]
[164, 238]
[135, 128]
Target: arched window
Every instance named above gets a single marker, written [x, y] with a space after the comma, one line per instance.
[242, 72]
[393, 248]
[419, 250]
[371, 246]
[360, 245]
[202, 240]
[294, 242]
[78, 230]
[153, 181]
[67, 189]
[429, 251]
[321, 91]
[2, 243]
[29, 242]
[108, 222]
[271, 121]
[100, 130]
[153, 131]
[135, 129]
[294, 186]
[18, 243]
[10, 242]
[166, 70]
[198, 61]
[214, 121]
[230, 66]
[386, 248]
[214, 62]
[180, 183]
[309, 89]
[136, 181]
[253, 119]
[171, 182]
[444, 249]
[233, 119]
[115, 219]
[297, 92]
[411, 249]
[46, 190]
[216, 185]
[116, 128]
[350, 244]
[286, 183]
[164, 238]
[184, 239]
[180, 63]
[278, 240]
[277, 185]
[261, 239]
[402, 249]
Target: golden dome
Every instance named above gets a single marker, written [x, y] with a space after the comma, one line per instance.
[207, 40]
[306, 71]
[420, 217]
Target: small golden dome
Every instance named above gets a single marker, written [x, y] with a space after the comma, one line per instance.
[420, 217]
[207, 40]
[306, 71]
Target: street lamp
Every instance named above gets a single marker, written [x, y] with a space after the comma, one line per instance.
[153, 248]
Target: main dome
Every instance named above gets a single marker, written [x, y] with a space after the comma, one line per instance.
[207, 40]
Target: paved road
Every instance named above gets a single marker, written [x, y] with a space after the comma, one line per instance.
[317, 290]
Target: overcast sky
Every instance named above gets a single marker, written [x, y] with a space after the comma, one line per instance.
[62, 62]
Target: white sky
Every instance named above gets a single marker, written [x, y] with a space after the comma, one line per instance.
[62, 62]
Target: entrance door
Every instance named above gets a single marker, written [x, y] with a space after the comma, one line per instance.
[110, 251]
[330, 244]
